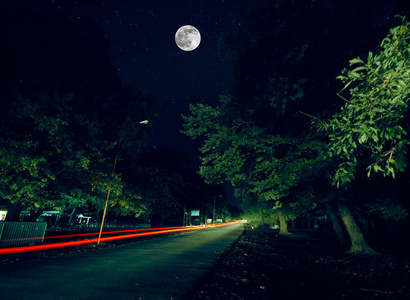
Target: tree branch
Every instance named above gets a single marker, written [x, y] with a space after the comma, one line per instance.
[313, 117]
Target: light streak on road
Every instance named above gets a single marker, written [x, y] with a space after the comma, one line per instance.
[108, 232]
[23, 249]
[90, 234]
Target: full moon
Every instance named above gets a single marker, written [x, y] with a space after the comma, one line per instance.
[187, 38]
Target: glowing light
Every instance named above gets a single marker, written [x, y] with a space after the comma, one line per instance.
[15, 250]
[107, 232]
[90, 234]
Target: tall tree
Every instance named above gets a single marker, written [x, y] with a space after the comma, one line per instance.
[64, 113]
[373, 120]
[270, 167]
[286, 57]
[370, 128]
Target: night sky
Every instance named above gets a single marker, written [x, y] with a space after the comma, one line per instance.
[141, 36]
[143, 50]
[144, 53]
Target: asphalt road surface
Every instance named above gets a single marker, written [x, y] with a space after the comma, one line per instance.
[170, 267]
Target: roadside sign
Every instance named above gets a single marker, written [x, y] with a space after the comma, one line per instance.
[195, 213]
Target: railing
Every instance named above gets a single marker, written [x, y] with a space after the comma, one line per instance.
[22, 233]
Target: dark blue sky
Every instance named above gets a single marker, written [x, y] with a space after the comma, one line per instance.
[143, 50]
[141, 35]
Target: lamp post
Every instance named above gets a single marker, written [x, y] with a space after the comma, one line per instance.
[213, 217]
[109, 189]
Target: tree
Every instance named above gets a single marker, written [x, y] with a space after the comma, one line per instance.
[64, 114]
[286, 57]
[373, 120]
[163, 178]
[267, 166]
[369, 129]
[256, 139]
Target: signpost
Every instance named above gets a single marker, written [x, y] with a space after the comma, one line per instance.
[194, 212]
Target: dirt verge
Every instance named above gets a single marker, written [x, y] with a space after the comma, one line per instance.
[304, 265]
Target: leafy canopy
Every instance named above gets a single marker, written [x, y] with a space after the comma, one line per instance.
[371, 126]
[265, 165]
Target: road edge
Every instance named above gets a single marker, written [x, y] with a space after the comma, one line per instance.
[208, 277]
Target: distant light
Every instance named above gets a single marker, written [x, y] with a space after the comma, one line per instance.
[3, 214]
[144, 122]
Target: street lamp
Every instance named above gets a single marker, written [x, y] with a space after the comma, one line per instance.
[109, 189]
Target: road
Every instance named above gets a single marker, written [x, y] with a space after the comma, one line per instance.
[170, 267]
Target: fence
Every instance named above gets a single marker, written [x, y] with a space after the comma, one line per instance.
[21, 233]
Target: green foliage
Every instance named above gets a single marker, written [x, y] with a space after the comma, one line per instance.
[269, 167]
[24, 176]
[62, 119]
[387, 209]
[164, 182]
[283, 91]
[256, 140]
[51, 156]
[307, 201]
[371, 123]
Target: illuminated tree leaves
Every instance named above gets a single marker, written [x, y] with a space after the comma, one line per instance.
[371, 123]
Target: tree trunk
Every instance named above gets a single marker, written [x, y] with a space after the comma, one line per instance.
[275, 224]
[364, 226]
[308, 222]
[13, 213]
[315, 224]
[359, 245]
[340, 232]
[146, 218]
[283, 226]
[326, 221]
[58, 216]
[71, 216]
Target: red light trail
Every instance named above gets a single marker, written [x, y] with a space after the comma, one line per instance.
[147, 232]
[108, 232]
[92, 233]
